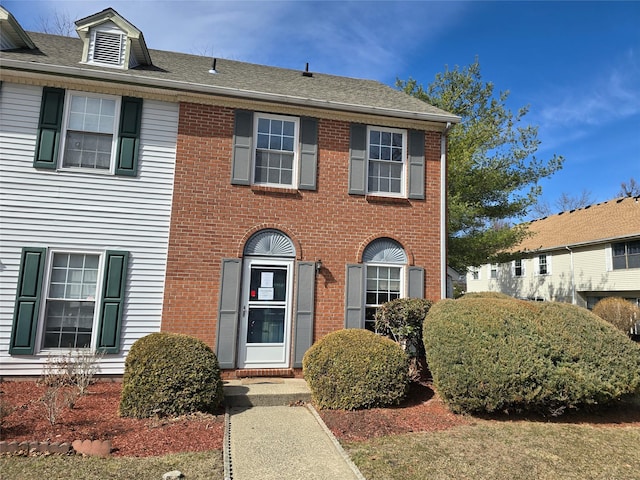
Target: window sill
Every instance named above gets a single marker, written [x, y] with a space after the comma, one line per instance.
[263, 190]
[387, 200]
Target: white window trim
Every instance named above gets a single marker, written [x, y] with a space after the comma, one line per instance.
[496, 267]
[405, 154]
[114, 135]
[296, 149]
[522, 266]
[537, 261]
[39, 348]
[477, 271]
[403, 282]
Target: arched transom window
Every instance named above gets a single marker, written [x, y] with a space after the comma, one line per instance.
[270, 243]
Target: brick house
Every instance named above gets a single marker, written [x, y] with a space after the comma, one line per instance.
[256, 208]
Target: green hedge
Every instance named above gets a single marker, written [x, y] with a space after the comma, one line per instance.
[354, 368]
[168, 375]
[494, 354]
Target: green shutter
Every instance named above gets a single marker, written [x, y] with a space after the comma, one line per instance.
[242, 153]
[354, 296]
[416, 166]
[416, 282]
[357, 159]
[228, 310]
[49, 127]
[308, 153]
[129, 136]
[305, 294]
[28, 294]
[112, 302]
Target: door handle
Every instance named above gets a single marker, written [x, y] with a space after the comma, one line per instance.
[244, 310]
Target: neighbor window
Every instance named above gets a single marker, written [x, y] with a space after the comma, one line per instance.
[626, 255]
[543, 265]
[518, 268]
[90, 128]
[276, 150]
[386, 154]
[71, 300]
[494, 271]
[475, 273]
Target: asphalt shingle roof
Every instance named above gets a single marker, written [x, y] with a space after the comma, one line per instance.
[618, 218]
[193, 70]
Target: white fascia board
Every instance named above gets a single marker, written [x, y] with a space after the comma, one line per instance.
[121, 77]
[584, 244]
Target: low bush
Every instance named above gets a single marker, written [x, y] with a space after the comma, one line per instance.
[619, 312]
[355, 368]
[490, 355]
[168, 375]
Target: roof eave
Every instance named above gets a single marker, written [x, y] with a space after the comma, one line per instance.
[122, 77]
[583, 244]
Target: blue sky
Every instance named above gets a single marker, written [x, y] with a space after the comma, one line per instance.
[576, 64]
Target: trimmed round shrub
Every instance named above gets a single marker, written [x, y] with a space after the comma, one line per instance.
[355, 368]
[490, 355]
[619, 312]
[168, 374]
[498, 295]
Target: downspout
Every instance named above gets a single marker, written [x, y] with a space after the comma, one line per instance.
[573, 282]
[443, 210]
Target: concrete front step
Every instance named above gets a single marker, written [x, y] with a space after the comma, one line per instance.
[265, 392]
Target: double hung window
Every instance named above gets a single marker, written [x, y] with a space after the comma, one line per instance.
[518, 268]
[276, 150]
[386, 154]
[626, 255]
[71, 300]
[543, 264]
[90, 128]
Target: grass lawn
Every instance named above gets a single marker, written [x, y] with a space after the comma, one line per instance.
[195, 466]
[504, 450]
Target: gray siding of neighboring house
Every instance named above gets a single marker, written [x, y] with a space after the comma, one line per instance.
[85, 211]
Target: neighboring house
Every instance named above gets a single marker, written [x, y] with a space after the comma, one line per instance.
[256, 208]
[579, 256]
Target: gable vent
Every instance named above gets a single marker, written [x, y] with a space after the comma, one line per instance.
[108, 48]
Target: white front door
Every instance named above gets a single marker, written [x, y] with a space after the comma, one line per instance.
[265, 322]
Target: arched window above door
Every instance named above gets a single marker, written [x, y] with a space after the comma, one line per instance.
[384, 250]
[270, 243]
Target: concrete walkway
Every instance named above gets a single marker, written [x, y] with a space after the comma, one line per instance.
[280, 442]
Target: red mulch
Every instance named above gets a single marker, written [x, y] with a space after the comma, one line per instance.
[94, 417]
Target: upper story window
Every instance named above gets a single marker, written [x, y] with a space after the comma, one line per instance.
[89, 132]
[626, 255]
[386, 155]
[90, 128]
[276, 152]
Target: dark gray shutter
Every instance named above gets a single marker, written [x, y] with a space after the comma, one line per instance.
[129, 136]
[305, 294]
[28, 293]
[228, 309]
[49, 127]
[308, 153]
[112, 303]
[354, 296]
[357, 159]
[242, 153]
[416, 282]
[416, 167]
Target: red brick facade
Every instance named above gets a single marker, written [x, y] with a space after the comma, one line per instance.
[212, 219]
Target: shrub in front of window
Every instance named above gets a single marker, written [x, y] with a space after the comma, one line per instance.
[168, 375]
[498, 295]
[401, 320]
[355, 368]
[507, 355]
[619, 312]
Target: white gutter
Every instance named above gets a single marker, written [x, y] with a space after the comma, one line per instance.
[121, 77]
[443, 211]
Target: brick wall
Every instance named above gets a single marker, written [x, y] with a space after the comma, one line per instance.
[212, 219]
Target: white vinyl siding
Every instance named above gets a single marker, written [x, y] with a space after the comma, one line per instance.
[78, 211]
